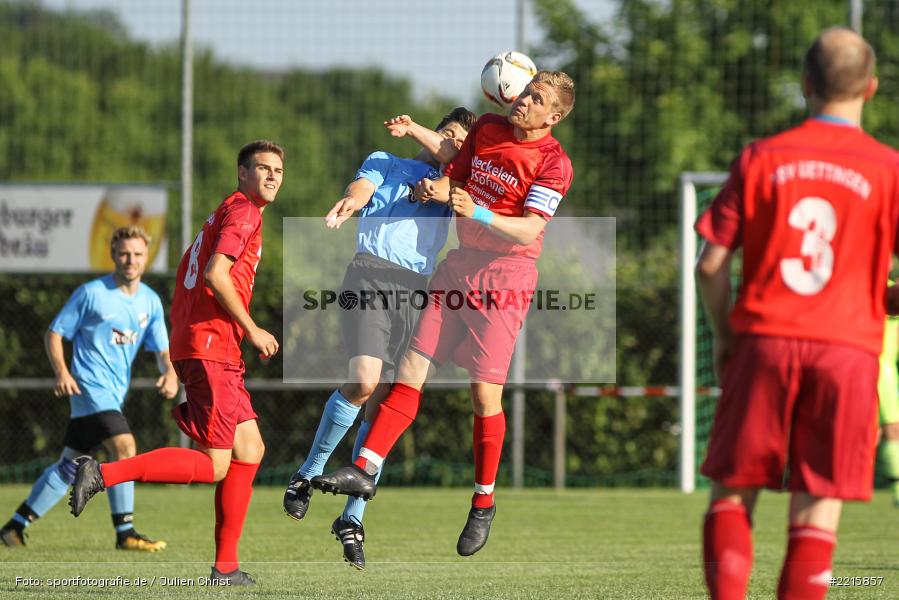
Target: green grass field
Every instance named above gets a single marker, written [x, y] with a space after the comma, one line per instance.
[576, 544]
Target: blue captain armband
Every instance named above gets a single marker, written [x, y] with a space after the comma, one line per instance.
[482, 215]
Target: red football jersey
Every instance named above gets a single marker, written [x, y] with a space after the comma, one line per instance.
[509, 177]
[200, 326]
[815, 209]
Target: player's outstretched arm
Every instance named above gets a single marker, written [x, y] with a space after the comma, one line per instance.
[357, 195]
[713, 279]
[218, 278]
[167, 384]
[443, 149]
[521, 230]
[65, 383]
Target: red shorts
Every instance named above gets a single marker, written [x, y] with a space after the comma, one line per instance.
[803, 404]
[477, 305]
[217, 400]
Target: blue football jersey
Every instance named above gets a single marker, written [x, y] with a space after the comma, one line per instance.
[393, 225]
[106, 328]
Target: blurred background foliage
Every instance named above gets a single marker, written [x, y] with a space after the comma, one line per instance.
[663, 87]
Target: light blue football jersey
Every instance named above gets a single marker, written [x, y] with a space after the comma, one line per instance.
[106, 328]
[393, 225]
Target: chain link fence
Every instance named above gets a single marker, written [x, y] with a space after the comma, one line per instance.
[90, 91]
[435, 451]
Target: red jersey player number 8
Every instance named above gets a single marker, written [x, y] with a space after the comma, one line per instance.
[193, 267]
[809, 274]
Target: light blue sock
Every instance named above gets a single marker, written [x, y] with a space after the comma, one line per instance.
[355, 507]
[49, 489]
[337, 417]
[121, 502]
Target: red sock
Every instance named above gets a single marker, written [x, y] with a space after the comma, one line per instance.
[489, 433]
[395, 414]
[165, 465]
[806, 572]
[727, 550]
[232, 499]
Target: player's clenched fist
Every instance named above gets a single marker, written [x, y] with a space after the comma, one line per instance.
[167, 385]
[264, 342]
[460, 201]
[425, 190]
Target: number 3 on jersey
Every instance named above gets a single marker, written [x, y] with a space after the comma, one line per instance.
[808, 274]
[193, 266]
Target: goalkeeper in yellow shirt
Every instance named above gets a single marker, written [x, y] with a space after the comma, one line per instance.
[888, 393]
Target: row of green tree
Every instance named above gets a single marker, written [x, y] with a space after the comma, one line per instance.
[664, 87]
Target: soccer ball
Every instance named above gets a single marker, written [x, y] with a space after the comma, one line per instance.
[505, 76]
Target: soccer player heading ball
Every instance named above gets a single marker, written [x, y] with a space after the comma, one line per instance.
[210, 317]
[396, 250]
[503, 186]
[815, 209]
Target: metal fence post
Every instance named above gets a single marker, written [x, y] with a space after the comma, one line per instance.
[519, 358]
[559, 432]
[856, 12]
[518, 376]
[187, 127]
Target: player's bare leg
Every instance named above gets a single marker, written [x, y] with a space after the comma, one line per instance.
[120, 446]
[744, 496]
[806, 570]
[363, 377]
[121, 500]
[396, 413]
[727, 540]
[374, 401]
[489, 431]
[415, 369]
[812, 511]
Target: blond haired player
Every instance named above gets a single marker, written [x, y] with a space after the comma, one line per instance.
[504, 186]
[107, 320]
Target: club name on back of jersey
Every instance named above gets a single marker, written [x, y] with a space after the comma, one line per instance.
[823, 171]
[488, 181]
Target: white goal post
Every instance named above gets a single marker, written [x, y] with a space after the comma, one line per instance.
[687, 376]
